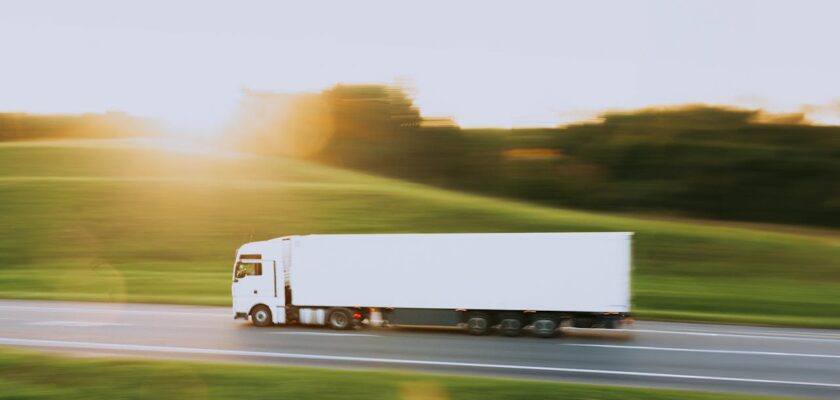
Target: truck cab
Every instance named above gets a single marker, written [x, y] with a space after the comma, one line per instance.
[258, 281]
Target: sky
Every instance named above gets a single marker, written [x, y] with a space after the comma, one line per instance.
[484, 63]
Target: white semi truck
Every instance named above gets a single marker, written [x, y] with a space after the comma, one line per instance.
[507, 281]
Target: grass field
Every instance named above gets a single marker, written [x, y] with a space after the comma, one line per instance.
[130, 221]
[28, 375]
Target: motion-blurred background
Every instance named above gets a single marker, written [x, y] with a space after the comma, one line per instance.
[143, 143]
[736, 206]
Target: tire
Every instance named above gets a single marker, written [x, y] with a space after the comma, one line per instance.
[545, 327]
[261, 316]
[339, 319]
[611, 323]
[510, 325]
[478, 323]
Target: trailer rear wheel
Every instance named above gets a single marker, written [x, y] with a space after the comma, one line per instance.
[511, 325]
[545, 327]
[261, 316]
[478, 323]
[339, 319]
[610, 323]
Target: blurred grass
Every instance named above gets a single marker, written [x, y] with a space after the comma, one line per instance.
[124, 220]
[30, 375]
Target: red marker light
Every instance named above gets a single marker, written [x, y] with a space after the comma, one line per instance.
[357, 316]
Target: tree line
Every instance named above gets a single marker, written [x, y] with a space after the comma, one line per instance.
[697, 161]
[24, 126]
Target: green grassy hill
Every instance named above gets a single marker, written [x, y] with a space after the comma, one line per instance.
[122, 220]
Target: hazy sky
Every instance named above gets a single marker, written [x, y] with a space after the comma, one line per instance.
[510, 63]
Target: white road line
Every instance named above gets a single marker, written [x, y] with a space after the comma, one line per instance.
[76, 324]
[375, 360]
[794, 334]
[825, 335]
[732, 335]
[743, 352]
[116, 311]
[814, 336]
[322, 334]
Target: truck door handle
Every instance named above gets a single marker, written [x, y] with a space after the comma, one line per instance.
[255, 292]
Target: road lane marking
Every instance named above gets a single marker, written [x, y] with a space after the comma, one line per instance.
[322, 334]
[792, 334]
[732, 335]
[743, 352]
[76, 324]
[375, 360]
[824, 335]
[117, 311]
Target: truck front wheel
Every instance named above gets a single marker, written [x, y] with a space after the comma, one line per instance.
[261, 316]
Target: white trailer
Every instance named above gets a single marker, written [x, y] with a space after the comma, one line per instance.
[479, 281]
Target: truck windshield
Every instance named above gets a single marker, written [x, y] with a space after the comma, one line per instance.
[244, 269]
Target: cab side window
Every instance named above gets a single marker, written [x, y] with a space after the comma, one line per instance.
[247, 269]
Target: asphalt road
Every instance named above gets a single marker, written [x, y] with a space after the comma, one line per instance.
[781, 361]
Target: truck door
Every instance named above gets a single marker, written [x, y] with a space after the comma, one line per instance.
[259, 282]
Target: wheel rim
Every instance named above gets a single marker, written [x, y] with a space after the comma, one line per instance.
[478, 324]
[261, 316]
[339, 320]
[511, 325]
[544, 327]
